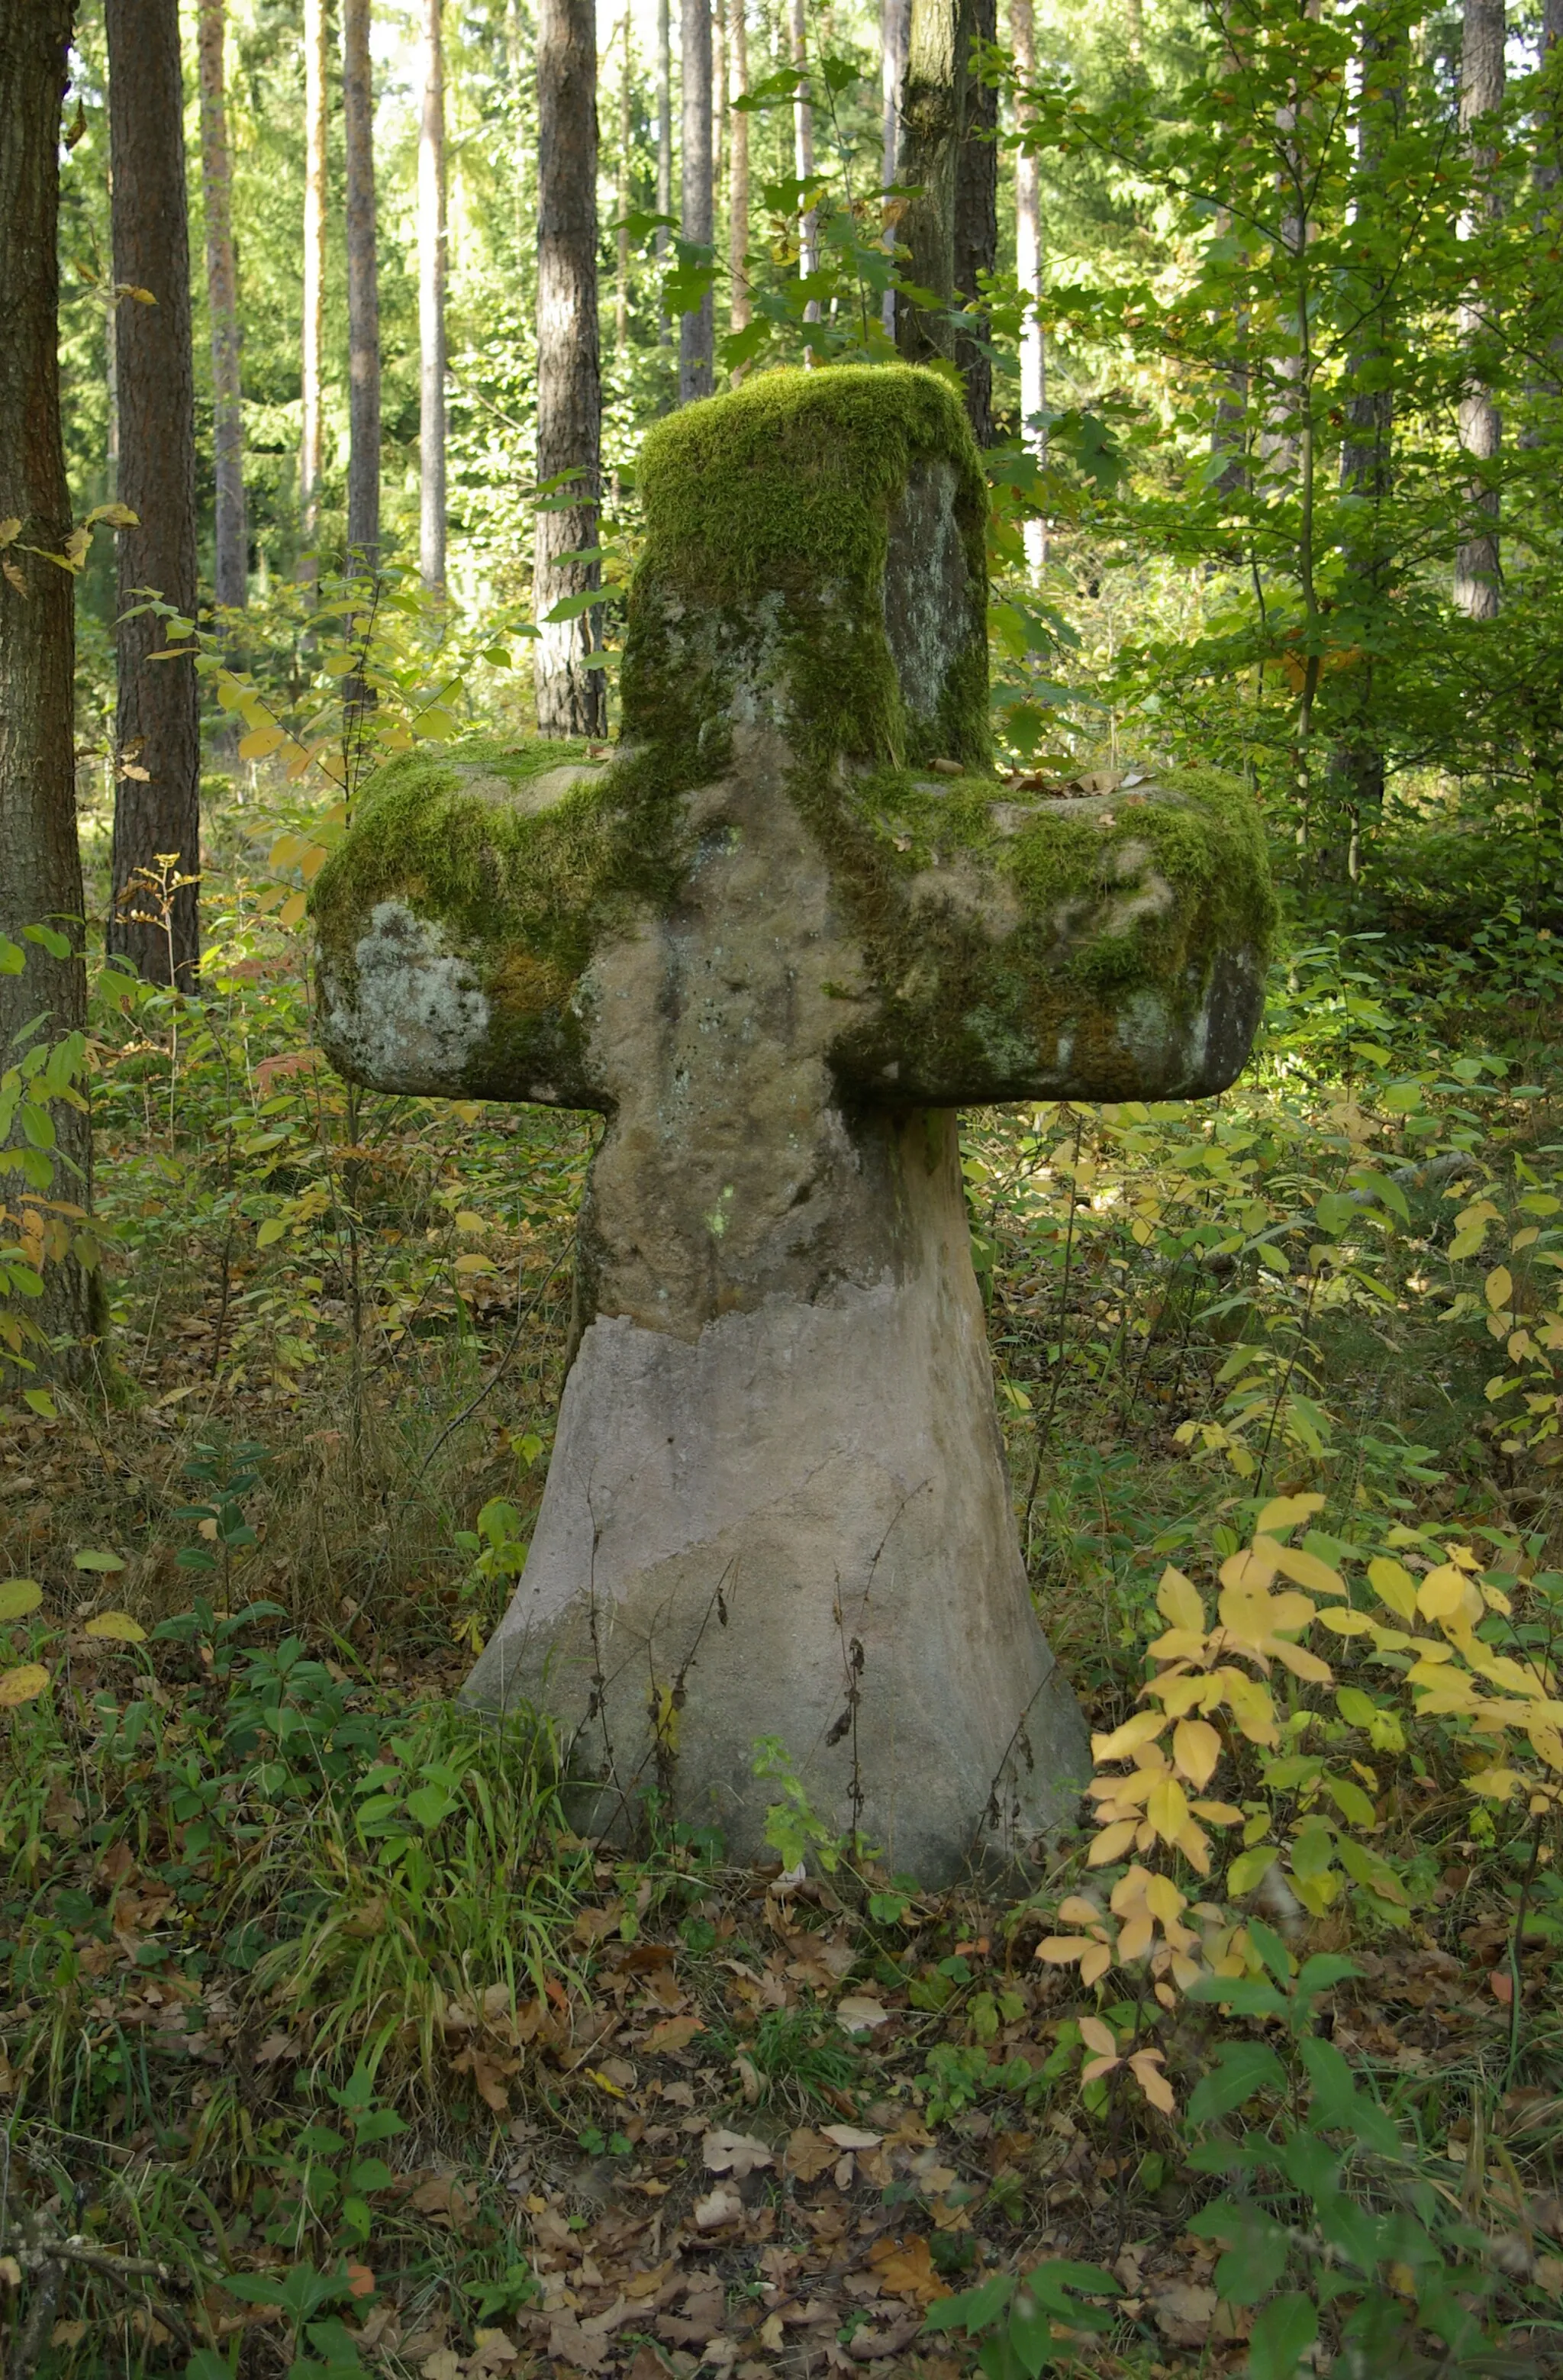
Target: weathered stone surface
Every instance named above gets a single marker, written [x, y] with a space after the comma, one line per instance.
[773, 946]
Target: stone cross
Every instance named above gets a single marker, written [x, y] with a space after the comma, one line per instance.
[777, 939]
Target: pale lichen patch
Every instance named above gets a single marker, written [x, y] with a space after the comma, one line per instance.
[416, 1013]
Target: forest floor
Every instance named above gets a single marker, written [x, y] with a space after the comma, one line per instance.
[328, 2044]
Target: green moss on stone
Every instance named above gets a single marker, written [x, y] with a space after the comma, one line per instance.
[768, 516]
[525, 894]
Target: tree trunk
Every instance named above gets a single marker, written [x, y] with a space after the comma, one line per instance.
[951, 229]
[803, 164]
[313, 329]
[697, 331]
[894, 20]
[40, 869]
[363, 293]
[157, 797]
[1028, 273]
[626, 141]
[976, 220]
[738, 195]
[1478, 570]
[231, 572]
[570, 695]
[719, 98]
[664, 143]
[431, 303]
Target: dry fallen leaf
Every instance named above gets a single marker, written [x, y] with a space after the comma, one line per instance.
[903, 2268]
[1184, 2312]
[734, 2153]
[860, 2014]
[446, 2198]
[674, 2032]
[808, 2155]
[851, 2136]
[722, 2205]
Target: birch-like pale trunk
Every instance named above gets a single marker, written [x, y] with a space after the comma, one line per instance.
[894, 24]
[621, 193]
[695, 331]
[1028, 275]
[1478, 563]
[802, 153]
[312, 330]
[431, 267]
[363, 292]
[231, 571]
[664, 144]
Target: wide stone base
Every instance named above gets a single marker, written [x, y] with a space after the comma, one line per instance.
[798, 1524]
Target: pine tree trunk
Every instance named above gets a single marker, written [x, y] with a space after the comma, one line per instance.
[1478, 569]
[231, 572]
[431, 303]
[363, 293]
[157, 797]
[894, 25]
[40, 869]
[313, 328]
[664, 141]
[951, 229]
[570, 695]
[738, 197]
[697, 331]
[1028, 275]
[977, 218]
[719, 99]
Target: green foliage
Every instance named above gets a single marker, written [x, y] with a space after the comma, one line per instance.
[1018, 2320]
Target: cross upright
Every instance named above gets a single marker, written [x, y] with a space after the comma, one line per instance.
[777, 938]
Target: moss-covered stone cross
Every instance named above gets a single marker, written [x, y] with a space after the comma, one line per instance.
[777, 939]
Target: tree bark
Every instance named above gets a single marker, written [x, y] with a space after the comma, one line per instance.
[1028, 273]
[431, 303]
[894, 22]
[363, 293]
[627, 139]
[570, 695]
[40, 867]
[231, 572]
[803, 162]
[738, 193]
[157, 808]
[695, 331]
[1478, 567]
[664, 142]
[312, 332]
[719, 98]
[951, 229]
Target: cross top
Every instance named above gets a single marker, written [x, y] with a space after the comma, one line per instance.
[791, 920]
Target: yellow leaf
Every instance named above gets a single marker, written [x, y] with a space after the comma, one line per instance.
[1178, 1645]
[1136, 1938]
[1164, 1900]
[1346, 1623]
[1095, 1963]
[465, 1221]
[1096, 2067]
[1196, 1748]
[1167, 1808]
[1062, 1949]
[1300, 1662]
[1493, 1784]
[1143, 1728]
[1499, 1287]
[1283, 1513]
[1290, 1612]
[1194, 1844]
[1217, 1814]
[10, 529]
[22, 1685]
[1393, 1585]
[1145, 2066]
[261, 741]
[472, 1262]
[1078, 1911]
[1097, 2036]
[1305, 1569]
[293, 908]
[1110, 1842]
[1251, 1572]
[118, 1627]
[434, 722]
[1177, 1601]
[1441, 1592]
[18, 1597]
